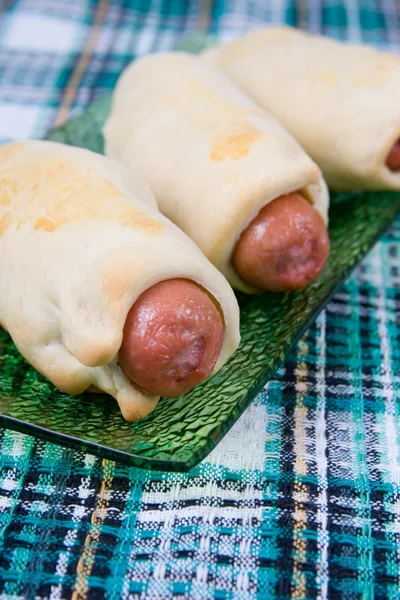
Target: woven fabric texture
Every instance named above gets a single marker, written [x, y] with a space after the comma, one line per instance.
[302, 498]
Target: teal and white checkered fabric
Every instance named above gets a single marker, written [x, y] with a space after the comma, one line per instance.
[302, 498]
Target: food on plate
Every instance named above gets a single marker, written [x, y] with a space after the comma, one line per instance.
[177, 326]
[341, 102]
[100, 291]
[225, 171]
[393, 158]
[292, 235]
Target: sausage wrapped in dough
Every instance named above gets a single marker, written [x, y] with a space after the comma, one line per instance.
[341, 102]
[97, 288]
[217, 164]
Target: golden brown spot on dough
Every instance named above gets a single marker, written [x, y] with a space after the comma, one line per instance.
[5, 222]
[236, 146]
[50, 192]
[7, 151]
[374, 69]
[117, 278]
[379, 70]
[8, 190]
[45, 224]
[376, 79]
[4, 197]
[329, 77]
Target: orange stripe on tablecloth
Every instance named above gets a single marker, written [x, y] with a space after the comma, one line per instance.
[86, 561]
[82, 63]
[204, 19]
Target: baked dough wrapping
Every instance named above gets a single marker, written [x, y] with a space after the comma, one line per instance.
[80, 239]
[341, 102]
[212, 157]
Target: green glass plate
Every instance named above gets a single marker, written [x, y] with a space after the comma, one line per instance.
[182, 431]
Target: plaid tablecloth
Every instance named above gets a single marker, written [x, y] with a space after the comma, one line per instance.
[302, 498]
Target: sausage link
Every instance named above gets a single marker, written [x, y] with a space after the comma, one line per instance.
[393, 159]
[173, 336]
[284, 248]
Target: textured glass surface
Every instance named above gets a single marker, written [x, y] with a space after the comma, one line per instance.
[182, 431]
